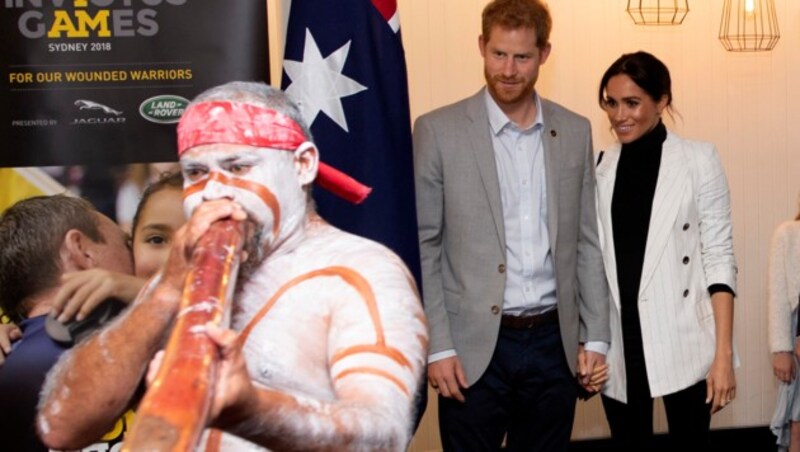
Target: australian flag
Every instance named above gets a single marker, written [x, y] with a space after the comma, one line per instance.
[344, 65]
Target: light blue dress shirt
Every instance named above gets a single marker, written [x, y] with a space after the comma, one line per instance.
[519, 155]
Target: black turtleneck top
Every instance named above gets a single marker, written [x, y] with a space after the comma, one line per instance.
[631, 205]
[632, 202]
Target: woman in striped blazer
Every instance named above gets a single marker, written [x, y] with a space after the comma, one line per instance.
[665, 230]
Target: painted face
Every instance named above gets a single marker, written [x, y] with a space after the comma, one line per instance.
[114, 254]
[511, 63]
[160, 217]
[263, 181]
[631, 111]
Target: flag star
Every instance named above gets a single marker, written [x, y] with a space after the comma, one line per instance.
[318, 83]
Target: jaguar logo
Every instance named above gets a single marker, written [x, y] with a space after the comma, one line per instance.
[83, 104]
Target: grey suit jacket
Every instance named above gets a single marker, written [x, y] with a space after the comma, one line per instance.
[462, 237]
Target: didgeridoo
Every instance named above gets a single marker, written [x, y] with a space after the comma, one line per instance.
[173, 413]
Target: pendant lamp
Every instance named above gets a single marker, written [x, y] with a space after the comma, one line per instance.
[749, 26]
[658, 12]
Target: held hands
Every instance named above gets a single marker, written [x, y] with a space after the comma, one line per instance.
[720, 384]
[592, 370]
[783, 366]
[447, 377]
[8, 334]
[82, 291]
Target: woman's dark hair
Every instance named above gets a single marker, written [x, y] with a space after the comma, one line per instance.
[167, 180]
[647, 71]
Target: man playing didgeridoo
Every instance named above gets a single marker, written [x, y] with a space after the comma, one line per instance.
[328, 339]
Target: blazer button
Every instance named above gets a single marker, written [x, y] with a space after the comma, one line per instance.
[501, 268]
[495, 309]
[685, 226]
[685, 293]
[685, 260]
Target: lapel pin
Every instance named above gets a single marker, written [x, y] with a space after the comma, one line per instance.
[553, 133]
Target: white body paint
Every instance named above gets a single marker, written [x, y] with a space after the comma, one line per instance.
[293, 348]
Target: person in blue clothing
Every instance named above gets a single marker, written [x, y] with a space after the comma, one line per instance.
[43, 238]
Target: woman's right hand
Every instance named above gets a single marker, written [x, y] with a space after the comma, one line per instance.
[8, 334]
[783, 366]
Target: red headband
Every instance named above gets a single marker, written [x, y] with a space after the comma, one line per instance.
[241, 123]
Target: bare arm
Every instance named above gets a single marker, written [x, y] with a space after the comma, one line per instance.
[721, 381]
[369, 412]
[373, 365]
[93, 384]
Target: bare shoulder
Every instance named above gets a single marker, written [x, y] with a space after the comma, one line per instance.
[375, 263]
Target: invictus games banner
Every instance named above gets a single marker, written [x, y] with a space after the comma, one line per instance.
[105, 81]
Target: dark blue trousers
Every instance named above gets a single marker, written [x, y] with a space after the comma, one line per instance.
[527, 393]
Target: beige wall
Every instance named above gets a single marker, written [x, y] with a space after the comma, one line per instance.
[747, 104]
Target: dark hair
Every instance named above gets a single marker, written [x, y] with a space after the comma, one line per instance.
[647, 71]
[31, 234]
[167, 180]
[514, 14]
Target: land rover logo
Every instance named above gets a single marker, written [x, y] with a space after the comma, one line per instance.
[163, 109]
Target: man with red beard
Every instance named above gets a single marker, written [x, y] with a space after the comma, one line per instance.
[513, 280]
[328, 336]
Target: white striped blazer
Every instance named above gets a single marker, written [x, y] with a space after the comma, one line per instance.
[689, 247]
